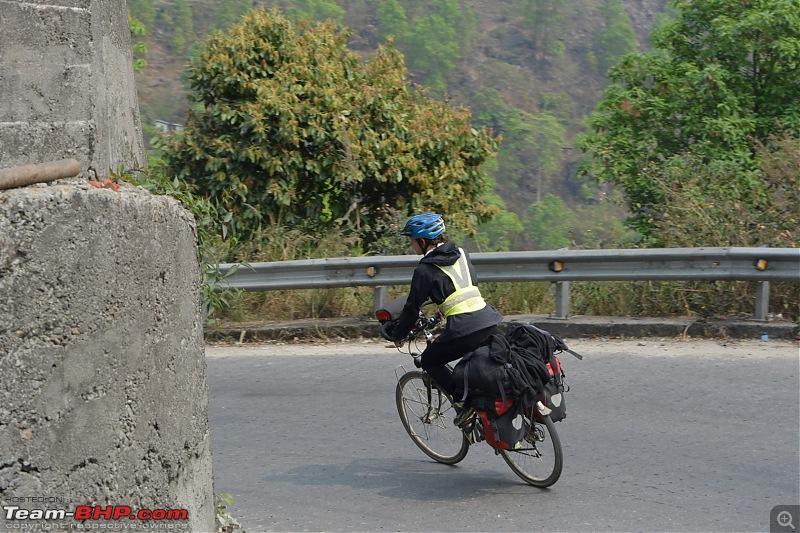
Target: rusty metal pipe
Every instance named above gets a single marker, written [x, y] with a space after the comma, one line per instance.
[20, 176]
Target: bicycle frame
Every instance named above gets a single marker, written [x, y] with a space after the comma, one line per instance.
[425, 418]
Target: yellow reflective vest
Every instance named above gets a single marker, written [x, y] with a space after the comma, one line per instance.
[467, 298]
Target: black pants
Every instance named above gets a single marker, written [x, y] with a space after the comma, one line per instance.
[438, 354]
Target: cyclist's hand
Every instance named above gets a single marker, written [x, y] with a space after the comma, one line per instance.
[399, 343]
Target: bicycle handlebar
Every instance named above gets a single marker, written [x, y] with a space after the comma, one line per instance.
[385, 329]
[422, 326]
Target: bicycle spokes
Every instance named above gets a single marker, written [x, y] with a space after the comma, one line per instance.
[427, 408]
[539, 460]
[425, 411]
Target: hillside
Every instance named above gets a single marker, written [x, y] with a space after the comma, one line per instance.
[530, 69]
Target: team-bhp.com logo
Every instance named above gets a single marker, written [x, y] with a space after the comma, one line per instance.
[95, 513]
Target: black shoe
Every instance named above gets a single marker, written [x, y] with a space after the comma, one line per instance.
[463, 414]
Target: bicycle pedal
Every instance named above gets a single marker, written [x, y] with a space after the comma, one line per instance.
[473, 434]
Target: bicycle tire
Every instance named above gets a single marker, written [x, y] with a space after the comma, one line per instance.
[539, 460]
[427, 414]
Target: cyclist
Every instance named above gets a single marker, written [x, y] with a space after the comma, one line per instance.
[446, 276]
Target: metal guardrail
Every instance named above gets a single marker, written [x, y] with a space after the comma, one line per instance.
[760, 265]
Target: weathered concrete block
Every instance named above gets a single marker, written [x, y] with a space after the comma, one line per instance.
[104, 397]
[72, 139]
[67, 64]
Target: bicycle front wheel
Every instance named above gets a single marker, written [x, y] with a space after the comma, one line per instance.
[427, 414]
[539, 459]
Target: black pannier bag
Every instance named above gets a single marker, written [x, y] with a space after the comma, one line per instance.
[538, 348]
[502, 422]
[495, 382]
[554, 393]
[496, 370]
[481, 373]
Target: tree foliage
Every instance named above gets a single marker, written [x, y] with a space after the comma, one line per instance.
[392, 21]
[433, 35]
[139, 47]
[548, 222]
[289, 126]
[229, 12]
[723, 77]
[503, 232]
[551, 224]
[183, 26]
[615, 38]
[696, 215]
[144, 11]
[532, 149]
[316, 10]
[544, 19]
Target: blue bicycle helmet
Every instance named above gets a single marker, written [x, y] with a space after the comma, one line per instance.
[424, 225]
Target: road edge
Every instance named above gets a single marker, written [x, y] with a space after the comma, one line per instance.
[574, 327]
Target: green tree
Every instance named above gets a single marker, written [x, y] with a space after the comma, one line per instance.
[489, 109]
[503, 232]
[289, 126]
[662, 19]
[228, 12]
[317, 10]
[723, 77]
[144, 11]
[695, 215]
[544, 18]
[616, 37]
[433, 50]
[183, 27]
[532, 149]
[531, 154]
[756, 43]
[392, 22]
[548, 223]
[437, 40]
[139, 47]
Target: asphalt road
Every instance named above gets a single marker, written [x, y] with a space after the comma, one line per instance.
[661, 435]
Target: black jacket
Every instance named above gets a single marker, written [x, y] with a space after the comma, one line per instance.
[430, 282]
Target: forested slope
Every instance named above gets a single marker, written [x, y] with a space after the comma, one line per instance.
[532, 70]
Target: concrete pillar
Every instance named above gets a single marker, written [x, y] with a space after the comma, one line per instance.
[103, 394]
[66, 85]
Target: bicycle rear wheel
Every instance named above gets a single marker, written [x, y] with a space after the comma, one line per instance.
[427, 414]
[540, 459]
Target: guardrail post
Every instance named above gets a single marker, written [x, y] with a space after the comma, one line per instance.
[762, 300]
[562, 300]
[379, 298]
